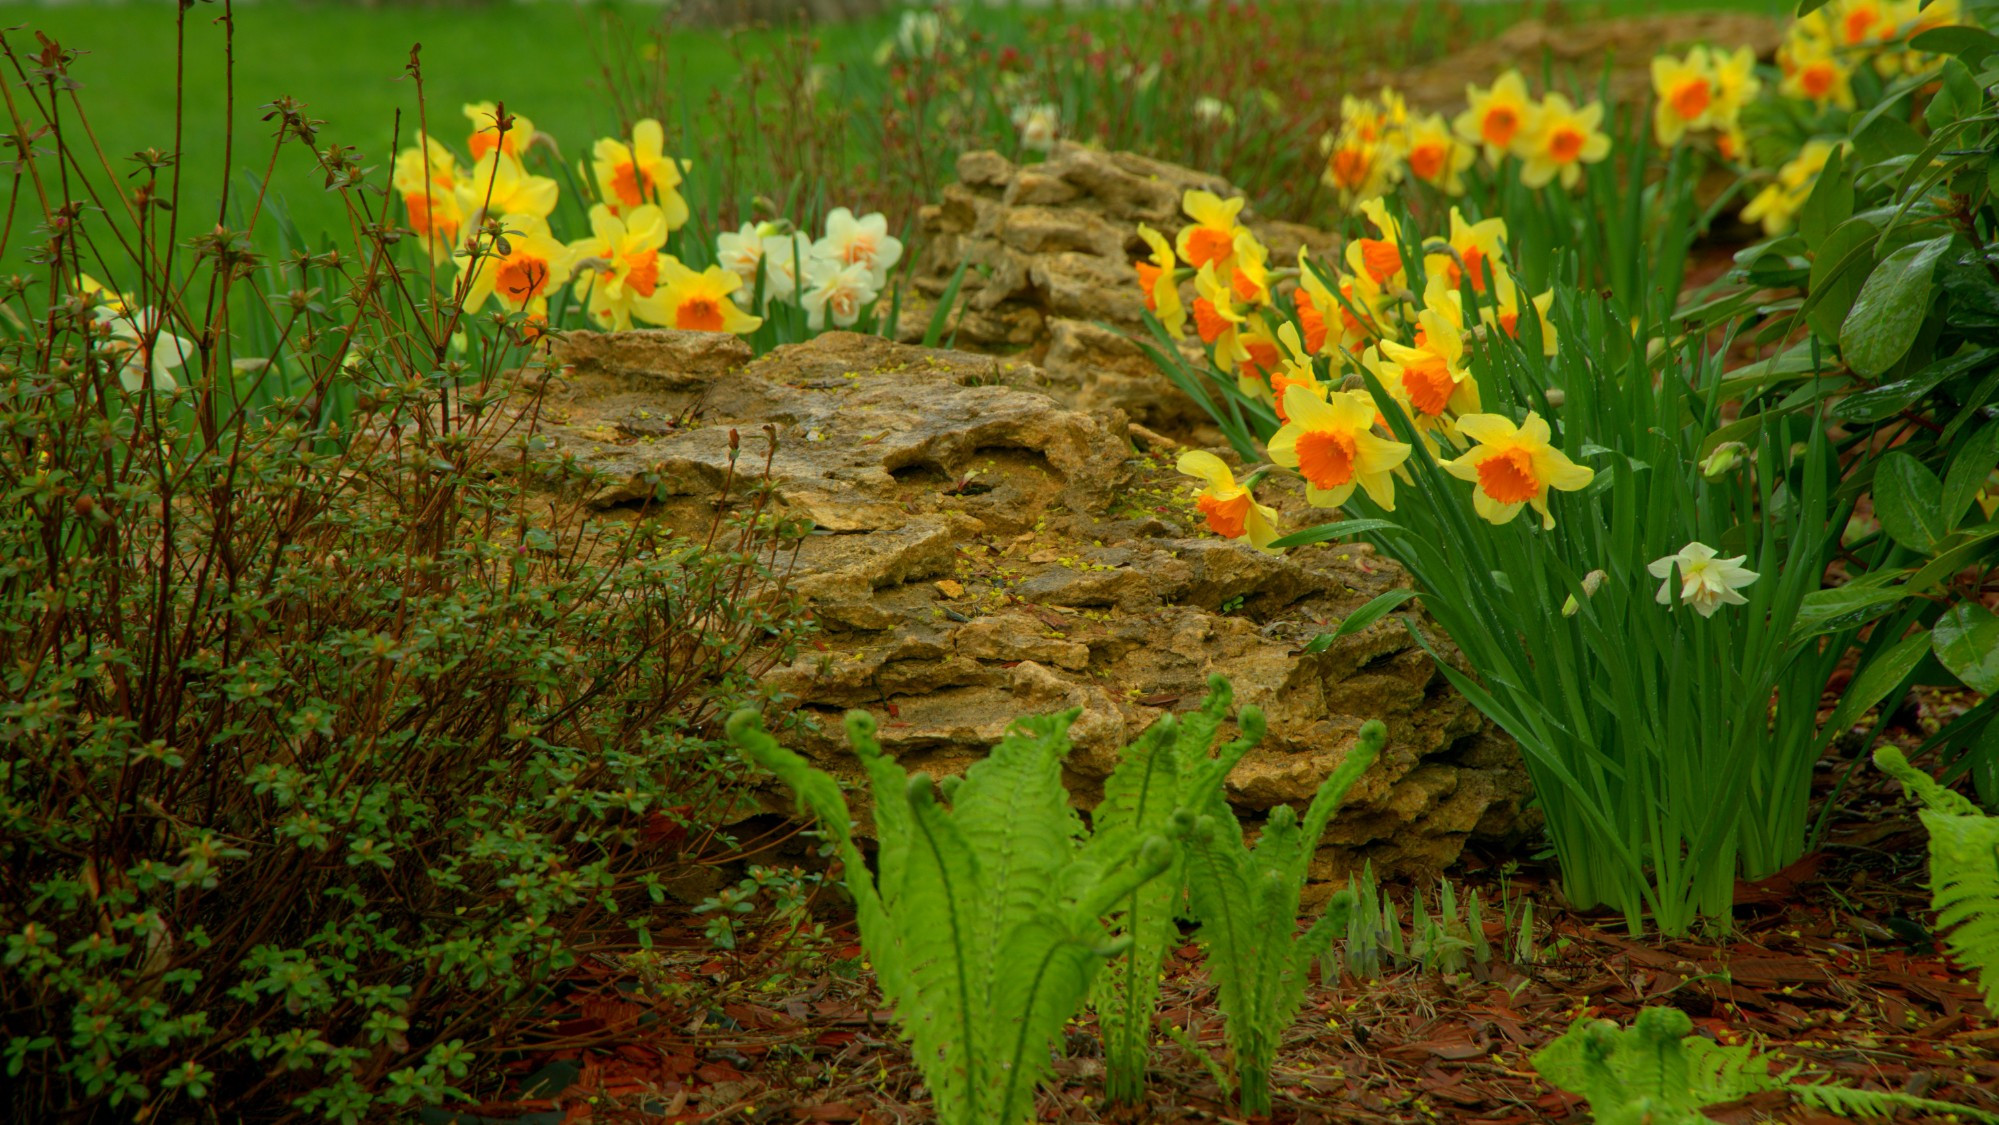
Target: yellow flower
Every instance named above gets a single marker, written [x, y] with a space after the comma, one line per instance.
[1474, 249]
[1562, 140]
[1514, 466]
[1505, 312]
[1706, 582]
[1814, 73]
[1431, 379]
[619, 263]
[1363, 156]
[1230, 510]
[1216, 319]
[520, 268]
[485, 137]
[1685, 93]
[1249, 278]
[1436, 156]
[427, 179]
[500, 185]
[1211, 238]
[695, 302]
[1156, 280]
[1333, 446]
[1778, 204]
[1379, 260]
[635, 174]
[1497, 117]
[1735, 84]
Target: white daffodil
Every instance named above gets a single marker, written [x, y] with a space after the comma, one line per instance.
[837, 291]
[1039, 125]
[785, 257]
[864, 241]
[146, 352]
[1706, 583]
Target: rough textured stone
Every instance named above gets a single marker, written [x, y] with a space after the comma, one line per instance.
[985, 552]
[1050, 248]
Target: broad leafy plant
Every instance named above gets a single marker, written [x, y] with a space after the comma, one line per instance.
[1656, 1072]
[983, 920]
[1247, 898]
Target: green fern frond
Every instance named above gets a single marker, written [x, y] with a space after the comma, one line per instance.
[941, 901]
[1964, 871]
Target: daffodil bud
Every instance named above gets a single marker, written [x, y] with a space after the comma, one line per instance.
[1724, 458]
[1591, 583]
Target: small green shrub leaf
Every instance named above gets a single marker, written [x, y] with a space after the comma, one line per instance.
[1831, 201]
[1890, 308]
[1966, 641]
[1839, 267]
[1969, 469]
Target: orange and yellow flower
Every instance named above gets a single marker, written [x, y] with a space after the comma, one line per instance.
[1230, 510]
[695, 302]
[427, 179]
[1156, 278]
[631, 175]
[486, 136]
[1431, 379]
[1333, 446]
[1513, 467]
[1686, 91]
[1436, 156]
[1561, 140]
[519, 268]
[1814, 73]
[500, 185]
[1211, 236]
[1475, 249]
[1498, 117]
[619, 264]
[1216, 319]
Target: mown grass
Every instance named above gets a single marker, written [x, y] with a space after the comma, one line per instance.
[348, 64]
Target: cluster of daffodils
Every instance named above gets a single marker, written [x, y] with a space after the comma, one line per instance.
[489, 218]
[1363, 317]
[835, 278]
[135, 339]
[1380, 144]
[1823, 48]
[1776, 206]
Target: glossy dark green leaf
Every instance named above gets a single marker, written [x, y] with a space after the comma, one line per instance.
[1889, 311]
[1843, 607]
[1830, 203]
[1890, 399]
[1908, 500]
[1966, 641]
[1968, 43]
[1839, 268]
[1969, 469]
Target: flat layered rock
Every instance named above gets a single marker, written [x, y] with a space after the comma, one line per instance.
[984, 551]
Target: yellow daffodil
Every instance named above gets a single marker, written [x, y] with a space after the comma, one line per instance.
[1814, 73]
[519, 268]
[619, 263]
[1436, 156]
[1228, 507]
[1211, 237]
[1250, 276]
[1314, 301]
[1216, 319]
[500, 185]
[1859, 23]
[1505, 313]
[1777, 205]
[486, 137]
[1685, 94]
[1474, 250]
[1378, 259]
[1735, 83]
[695, 302]
[1363, 156]
[1332, 445]
[631, 175]
[1261, 359]
[1157, 281]
[1561, 140]
[1294, 369]
[426, 177]
[1513, 467]
[1497, 117]
[1706, 583]
[1431, 379]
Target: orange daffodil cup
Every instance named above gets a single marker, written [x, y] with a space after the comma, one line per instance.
[1333, 446]
[1513, 467]
[1231, 512]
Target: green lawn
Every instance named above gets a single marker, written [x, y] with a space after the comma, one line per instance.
[347, 63]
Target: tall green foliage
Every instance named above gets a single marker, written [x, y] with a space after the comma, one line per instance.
[1247, 902]
[1656, 1073]
[1168, 769]
[1964, 870]
[982, 919]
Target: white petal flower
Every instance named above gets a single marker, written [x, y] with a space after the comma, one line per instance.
[148, 354]
[837, 291]
[1039, 125]
[1706, 582]
[785, 256]
[863, 241]
[741, 252]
